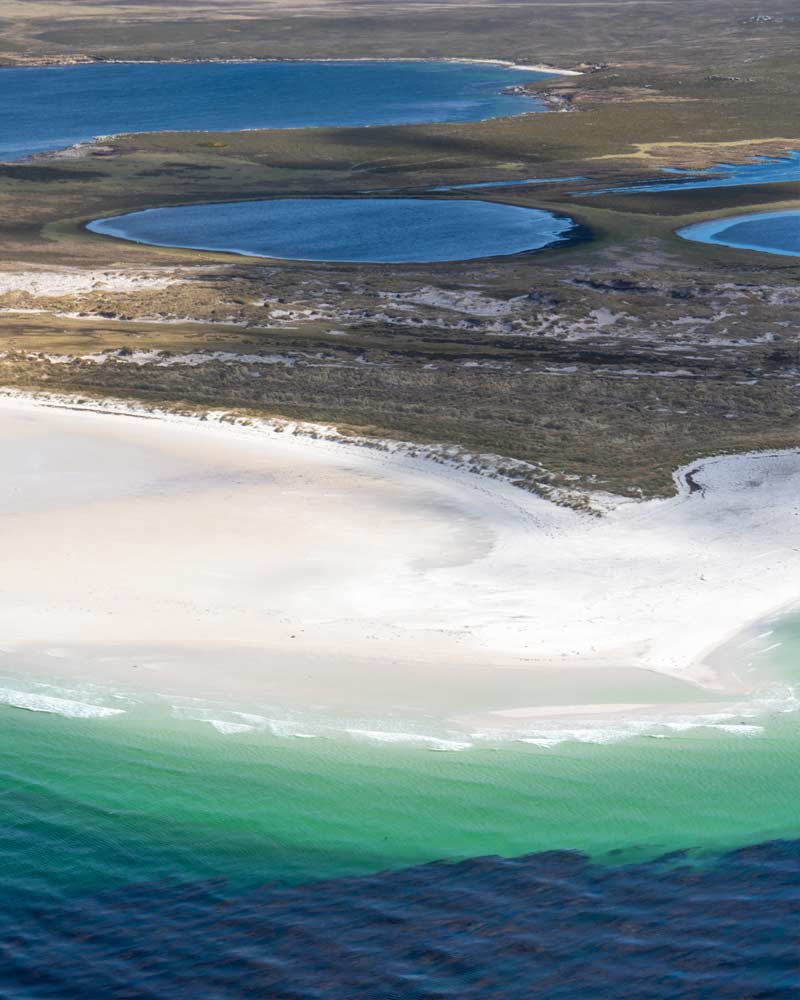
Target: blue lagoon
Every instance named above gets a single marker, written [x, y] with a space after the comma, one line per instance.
[49, 108]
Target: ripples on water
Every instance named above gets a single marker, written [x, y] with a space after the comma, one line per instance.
[547, 926]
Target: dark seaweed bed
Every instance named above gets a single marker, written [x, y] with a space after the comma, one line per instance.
[550, 925]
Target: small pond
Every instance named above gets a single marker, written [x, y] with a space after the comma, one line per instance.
[770, 232]
[363, 230]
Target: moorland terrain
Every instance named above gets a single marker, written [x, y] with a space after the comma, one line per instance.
[600, 365]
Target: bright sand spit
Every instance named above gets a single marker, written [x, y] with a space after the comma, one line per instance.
[188, 556]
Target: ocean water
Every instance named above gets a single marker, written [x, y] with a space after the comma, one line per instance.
[760, 170]
[770, 232]
[102, 802]
[549, 926]
[385, 230]
[155, 854]
[50, 108]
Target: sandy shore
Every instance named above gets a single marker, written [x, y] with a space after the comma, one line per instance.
[190, 556]
[508, 64]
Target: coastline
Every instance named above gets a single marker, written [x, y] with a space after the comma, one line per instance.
[83, 147]
[521, 600]
[48, 63]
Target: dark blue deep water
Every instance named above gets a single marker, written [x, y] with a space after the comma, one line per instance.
[49, 108]
[377, 230]
[547, 926]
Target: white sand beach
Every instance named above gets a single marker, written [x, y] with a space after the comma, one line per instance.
[192, 556]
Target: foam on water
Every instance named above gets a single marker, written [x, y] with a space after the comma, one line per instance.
[599, 731]
[394, 736]
[741, 717]
[741, 730]
[731, 716]
[33, 702]
[229, 728]
[231, 722]
[736, 720]
[286, 728]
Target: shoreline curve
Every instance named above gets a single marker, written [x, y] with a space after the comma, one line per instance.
[563, 597]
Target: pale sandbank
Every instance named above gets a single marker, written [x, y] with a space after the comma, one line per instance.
[190, 556]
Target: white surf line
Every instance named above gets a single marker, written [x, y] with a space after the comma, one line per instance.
[33, 702]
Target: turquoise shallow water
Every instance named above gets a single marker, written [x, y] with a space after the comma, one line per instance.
[99, 803]
[144, 858]
[369, 230]
[90, 805]
[769, 232]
